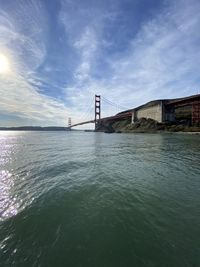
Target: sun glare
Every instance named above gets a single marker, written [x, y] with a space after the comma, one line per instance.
[4, 65]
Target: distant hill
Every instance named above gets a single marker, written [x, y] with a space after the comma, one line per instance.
[35, 128]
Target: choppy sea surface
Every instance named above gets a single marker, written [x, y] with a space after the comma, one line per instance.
[95, 199]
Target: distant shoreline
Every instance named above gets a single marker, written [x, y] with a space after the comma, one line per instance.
[147, 130]
[35, 128]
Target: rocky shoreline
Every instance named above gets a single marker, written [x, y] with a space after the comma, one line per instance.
[144, 125]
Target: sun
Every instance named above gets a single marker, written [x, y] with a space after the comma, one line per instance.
[4, 65]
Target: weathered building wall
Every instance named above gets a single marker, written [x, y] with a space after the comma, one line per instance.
[153, 112]
[184, 112]
[168, 113]
[169, 110]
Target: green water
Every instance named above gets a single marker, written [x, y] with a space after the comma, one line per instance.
[94, 199]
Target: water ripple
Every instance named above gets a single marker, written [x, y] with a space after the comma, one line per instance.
[85, 199]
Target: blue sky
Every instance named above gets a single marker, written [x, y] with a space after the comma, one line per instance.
[62, 52]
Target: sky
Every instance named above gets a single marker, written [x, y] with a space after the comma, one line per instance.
[60, 53]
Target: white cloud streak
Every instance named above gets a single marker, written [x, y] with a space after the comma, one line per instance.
[22, 40]
[17, 96]
[86, 46]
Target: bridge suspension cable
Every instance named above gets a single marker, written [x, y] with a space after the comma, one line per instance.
[90, 109]
[113, 104]
[89, 113]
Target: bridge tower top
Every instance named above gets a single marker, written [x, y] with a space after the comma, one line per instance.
[97, 109]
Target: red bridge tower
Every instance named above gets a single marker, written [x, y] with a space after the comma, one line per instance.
[97, 110]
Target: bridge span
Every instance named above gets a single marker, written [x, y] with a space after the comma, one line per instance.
[126, 115]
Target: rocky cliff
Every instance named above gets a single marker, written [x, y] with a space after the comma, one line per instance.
[144, 125]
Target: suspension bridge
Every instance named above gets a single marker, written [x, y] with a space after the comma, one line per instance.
[160, 110]
[97, 114]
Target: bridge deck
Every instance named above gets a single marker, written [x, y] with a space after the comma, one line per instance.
[118, 116]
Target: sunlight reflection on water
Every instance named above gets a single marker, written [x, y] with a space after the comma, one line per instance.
[8, 204]
[8, 201]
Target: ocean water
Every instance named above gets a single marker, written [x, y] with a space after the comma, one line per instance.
[95, 199]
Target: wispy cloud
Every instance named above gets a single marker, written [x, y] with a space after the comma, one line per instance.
[86, 46]
[162, 60]
[22, 40]
[17, 96]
